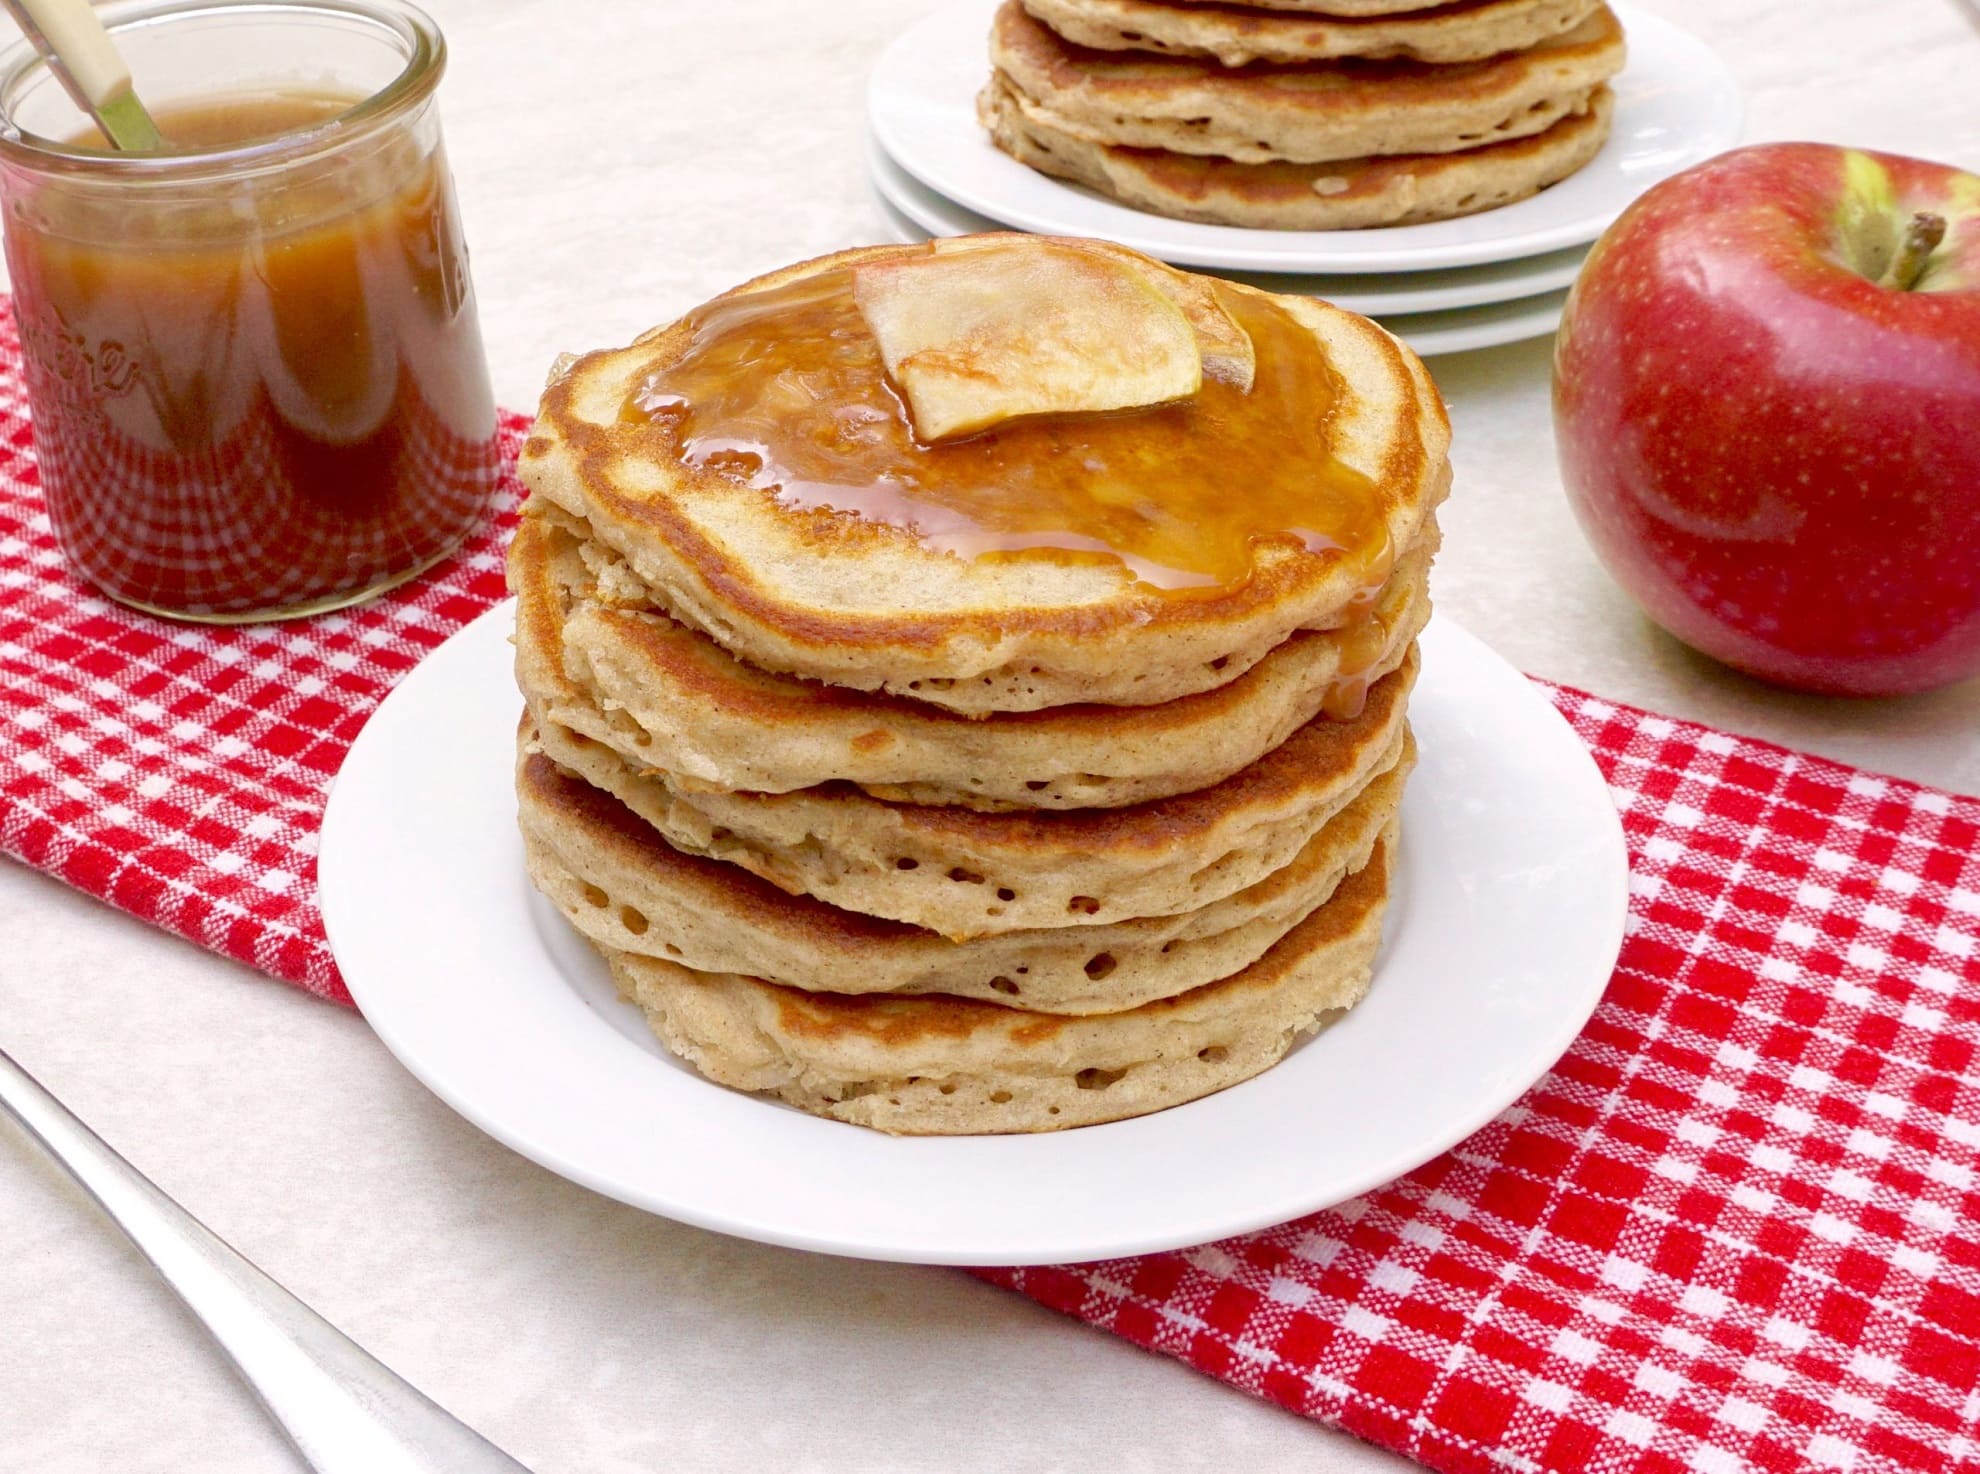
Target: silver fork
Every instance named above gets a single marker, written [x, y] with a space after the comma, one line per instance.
[346, 1412]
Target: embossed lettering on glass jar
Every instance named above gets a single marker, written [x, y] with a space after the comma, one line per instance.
[253, 361]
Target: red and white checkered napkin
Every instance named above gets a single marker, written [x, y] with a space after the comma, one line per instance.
[1735, 1228]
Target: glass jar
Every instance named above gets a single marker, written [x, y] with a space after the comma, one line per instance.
[253, 363]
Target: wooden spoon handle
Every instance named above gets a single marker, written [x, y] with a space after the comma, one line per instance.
[71, 35]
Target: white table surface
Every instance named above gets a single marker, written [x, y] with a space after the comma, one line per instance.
[619, 162]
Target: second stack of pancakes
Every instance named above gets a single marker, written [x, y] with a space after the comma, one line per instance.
[916, 829]
[1304, 114]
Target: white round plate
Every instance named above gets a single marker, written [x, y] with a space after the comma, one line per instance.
[1374, 296]
[1504, 927]
[1676, 103]
[1455, 330]
[1464, 328]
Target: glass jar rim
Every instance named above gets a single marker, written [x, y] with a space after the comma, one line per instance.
[426, 59]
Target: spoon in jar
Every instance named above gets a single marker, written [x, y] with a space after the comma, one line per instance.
[90, 68]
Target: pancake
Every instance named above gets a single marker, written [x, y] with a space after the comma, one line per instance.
[1235, 35]
[1345, 8]
[1307, 113]
[938, 1065]
[1038, 619]
[1350, 194]
[626, 888]
[966, 874]
[594, 655]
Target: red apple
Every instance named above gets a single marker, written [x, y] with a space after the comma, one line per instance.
[1767, 406]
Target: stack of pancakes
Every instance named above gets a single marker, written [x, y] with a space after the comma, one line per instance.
[1304, 114]
[937, 814]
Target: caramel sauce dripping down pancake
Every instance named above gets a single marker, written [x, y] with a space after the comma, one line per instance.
[784, 391]
[757, 474]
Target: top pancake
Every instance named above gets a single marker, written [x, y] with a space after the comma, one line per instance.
[835, 596]
[1467, 31]
[1310, 112]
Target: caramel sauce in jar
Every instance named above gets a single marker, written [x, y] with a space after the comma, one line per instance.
[259, 392]
[783, 389]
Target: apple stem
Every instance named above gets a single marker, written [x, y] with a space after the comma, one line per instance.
[1921, 239]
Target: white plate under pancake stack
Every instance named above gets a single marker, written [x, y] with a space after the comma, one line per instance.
[1495, 277]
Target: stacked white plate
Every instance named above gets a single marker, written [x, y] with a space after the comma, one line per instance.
[1480, 280]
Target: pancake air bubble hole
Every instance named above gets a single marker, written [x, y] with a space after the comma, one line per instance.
[1216, 1054]
[1005, 893]
[1084, 905]
[906, 863]
[1004, 985]
[1000, 1097]
[597, 897]
[1096, 1079]
[965, 877]
[633, 921]
[1098, 967]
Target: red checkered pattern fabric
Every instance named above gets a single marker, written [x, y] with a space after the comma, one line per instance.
[1737, 1227]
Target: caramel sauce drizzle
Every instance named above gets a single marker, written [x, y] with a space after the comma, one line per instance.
[783, 389]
